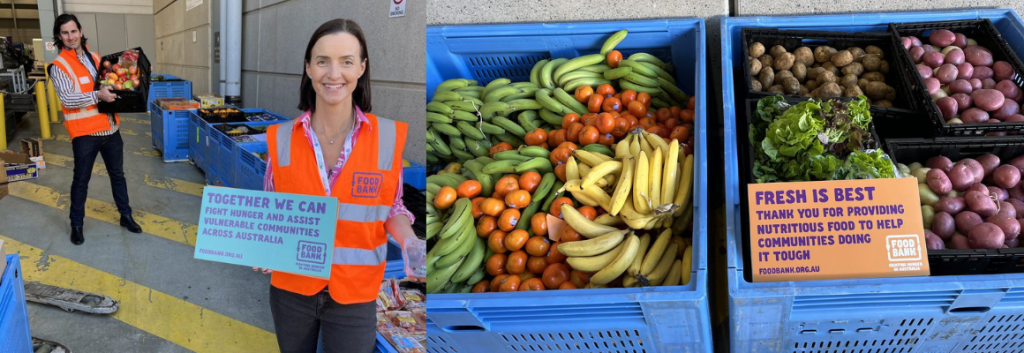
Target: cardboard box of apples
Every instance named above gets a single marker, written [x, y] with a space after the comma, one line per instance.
[127, 74]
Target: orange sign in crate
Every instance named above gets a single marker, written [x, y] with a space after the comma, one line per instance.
[836, 229]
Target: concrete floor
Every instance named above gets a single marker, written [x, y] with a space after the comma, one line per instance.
[170, 302]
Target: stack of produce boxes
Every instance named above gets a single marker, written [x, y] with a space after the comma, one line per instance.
[944, 90]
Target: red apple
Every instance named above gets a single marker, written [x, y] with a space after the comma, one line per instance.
[118, 86]
[106, 64]
[133, 70]
[117, 67]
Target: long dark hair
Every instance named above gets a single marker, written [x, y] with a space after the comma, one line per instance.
[361, 96]
[60, 21]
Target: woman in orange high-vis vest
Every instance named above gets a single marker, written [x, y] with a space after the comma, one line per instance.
[338, 149]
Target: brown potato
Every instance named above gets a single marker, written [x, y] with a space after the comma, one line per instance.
[873, 76]
[776, 50]
[782, 75]
[857, 53]
[784, 61]
[848, 80]
[863, 83]
[755, 67]
[755, 85]
[884, 67]
[829, 90]
[842, 58]
[812, 73]
[872, 62]
[804, 55]
[891, 96]
[852, 91]
[799, 71]
[884, 104]
[823, 53]
[877, 90]
[776, 89]
[855, 69]
[826, 77]
[767, 61]
[791, 85]
[871, 49]
[811, 85]
[828, 66]
[756, 49]
[804, 92]
[767, 76]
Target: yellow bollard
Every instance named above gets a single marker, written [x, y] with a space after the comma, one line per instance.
[51, 94]
[3, 124]
[44, 118]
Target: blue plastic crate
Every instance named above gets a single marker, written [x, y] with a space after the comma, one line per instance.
[198, 138]
[170, 132]
[653, 319]
[14, 327]
[977, 313]
[170, 89]
[250, 169]
[415, 175]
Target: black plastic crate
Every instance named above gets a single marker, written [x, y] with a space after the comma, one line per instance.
[986, 34]
[746, 165]
[128, 101]
[905, 102]
[972, 261]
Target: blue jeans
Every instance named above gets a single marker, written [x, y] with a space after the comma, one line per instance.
[85, 149]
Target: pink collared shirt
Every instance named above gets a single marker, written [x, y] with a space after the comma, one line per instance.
[398, 208]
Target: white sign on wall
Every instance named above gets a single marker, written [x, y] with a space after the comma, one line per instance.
[396, 8]
[51, 46]
[191, 4]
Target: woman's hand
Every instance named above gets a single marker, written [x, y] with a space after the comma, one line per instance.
[266, 271]
[414, 254]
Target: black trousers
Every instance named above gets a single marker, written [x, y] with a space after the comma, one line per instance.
[299, 320]
[85, 149]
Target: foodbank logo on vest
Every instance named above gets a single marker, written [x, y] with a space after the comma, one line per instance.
[311, 252]
[366, 185]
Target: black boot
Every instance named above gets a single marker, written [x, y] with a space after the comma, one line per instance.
[128, 222]
[77, 237]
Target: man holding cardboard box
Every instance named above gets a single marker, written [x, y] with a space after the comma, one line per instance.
[92, 132]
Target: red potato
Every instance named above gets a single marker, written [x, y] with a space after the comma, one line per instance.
[979, 187]
[974, 115]
[963, 101]
[1016, 118]
[986, 236]
[1017, 204]
[961, 40]
[955, 56]
[988, 99]
[1001, 195]
[1012, 243]
[928, 48]
[1017, 162]
[1008, 109]
[965, 71]
[915, 41]
[989, 162]
[982, 72]
[966, 220]
[933, 242]
[951, 205]
[907, 43]
[975, 83]
[1006, 176]
[925, 71]
[933, 59]
[1009, 226]
[943, 225]
[948, 106]
[978, 56]
[980, 203]
[946, 73]
[1008, 88]
[960, 86]
[1002, 70]
[939, 162]
[933, 85]
[939, 182]
[988, 83]
[916, 53]
[942, 38]
[1016, 194]
[958, 241]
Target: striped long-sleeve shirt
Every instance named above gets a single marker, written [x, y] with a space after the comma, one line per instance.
[69, 98]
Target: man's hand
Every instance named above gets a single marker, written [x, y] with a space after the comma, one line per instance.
[105, 95]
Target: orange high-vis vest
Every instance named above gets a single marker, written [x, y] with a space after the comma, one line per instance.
[86, 120]
[365, 190]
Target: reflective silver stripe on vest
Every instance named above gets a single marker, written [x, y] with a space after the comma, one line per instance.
[353, 256]
[284, 143]
[363, 214]
[385, 143]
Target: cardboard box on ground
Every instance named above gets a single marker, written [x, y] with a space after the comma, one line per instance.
[21, 166]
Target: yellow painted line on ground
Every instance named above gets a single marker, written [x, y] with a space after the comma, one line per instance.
[135, 120]
[141, 151]
[133, 133]
[177, 185]
[188, 325]
[154, 224]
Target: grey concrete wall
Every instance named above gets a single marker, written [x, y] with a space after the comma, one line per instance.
[115, 25]
[183, 42]
[275, 34]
